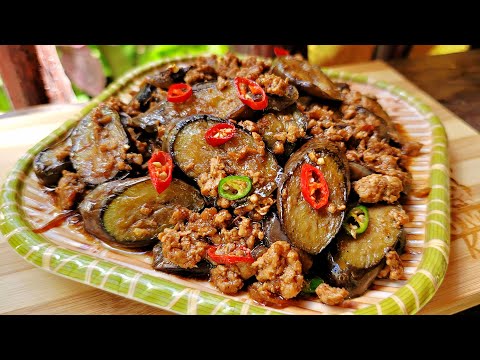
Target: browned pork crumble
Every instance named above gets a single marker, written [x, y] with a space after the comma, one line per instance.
[331, 295]
[394, 267]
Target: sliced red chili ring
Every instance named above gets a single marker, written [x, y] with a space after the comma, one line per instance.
[179, 92]
[279, 51]
[314, 186]
[219, 134]
[251, 94]
[228, 258]
[160, 168]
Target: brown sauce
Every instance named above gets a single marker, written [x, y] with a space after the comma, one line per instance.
[56, 221]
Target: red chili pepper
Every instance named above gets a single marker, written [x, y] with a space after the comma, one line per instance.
[179, 92]
[219, 134]
[160, 168]
[279, 51]
[230, 259]
[251, 94]
[314, 187]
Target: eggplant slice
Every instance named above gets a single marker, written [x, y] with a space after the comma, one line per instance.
[273, 231]
[272, 124]
[279, 103]
[130, 213]
[206, 99]
[143, 97]
[99, 146]
[372, 106]
[191, 153]
[174, 73]
[309, 229]
[306, 77]
[355, 263]
[49, 163]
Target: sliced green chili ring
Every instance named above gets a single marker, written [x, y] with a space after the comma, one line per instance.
[234, 187]
[311, 285]
[356, 221]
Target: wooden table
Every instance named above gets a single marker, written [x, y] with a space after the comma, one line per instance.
[29, 290]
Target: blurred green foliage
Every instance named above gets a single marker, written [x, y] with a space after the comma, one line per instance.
[117, 59]
[4, 101]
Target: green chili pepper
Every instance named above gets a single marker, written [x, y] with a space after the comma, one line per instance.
[356, 221]
[234, 187]
[311, 285]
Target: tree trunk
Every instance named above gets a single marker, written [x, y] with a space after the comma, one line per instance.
[33, 75]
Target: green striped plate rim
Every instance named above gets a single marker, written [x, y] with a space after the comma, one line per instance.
[168, 295]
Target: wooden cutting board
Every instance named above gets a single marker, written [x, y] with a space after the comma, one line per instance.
[28, 290]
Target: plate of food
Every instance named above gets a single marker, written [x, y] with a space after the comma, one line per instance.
[227, 185]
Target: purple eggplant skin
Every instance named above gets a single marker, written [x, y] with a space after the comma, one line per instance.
[173, 73]
[355, 263]
[306, 77]
[273, 123]
[93, 205]
[355, 281]
[99, 146]
[144, 97]
[163, 79]
[202, 270]
[49, 163]
[186, 143]
[206, 99]
[280, 103]
[113, 210]
[322, 225]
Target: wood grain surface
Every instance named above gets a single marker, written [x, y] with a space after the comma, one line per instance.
[453, 80]
[29, 290]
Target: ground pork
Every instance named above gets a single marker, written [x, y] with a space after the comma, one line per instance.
[273, 84]
[187, 242]
[378, 156]
[247, 233]
[249, 125]
[331, 295]
[394, 268]
[374, 188]
[185, 245]
[280, 271]
[208, 182]
[202, 70]
[222, 83]
[355, 99]
[226, 279]
[320, 117]
[411, 148]
[228, 66]
[256, 207]
[116, 104]
[253, 67]
[224, 203]
[181, 248]
[133, 158]
[399, 216]
[278, 128]
[363, 122]
[69, 191]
